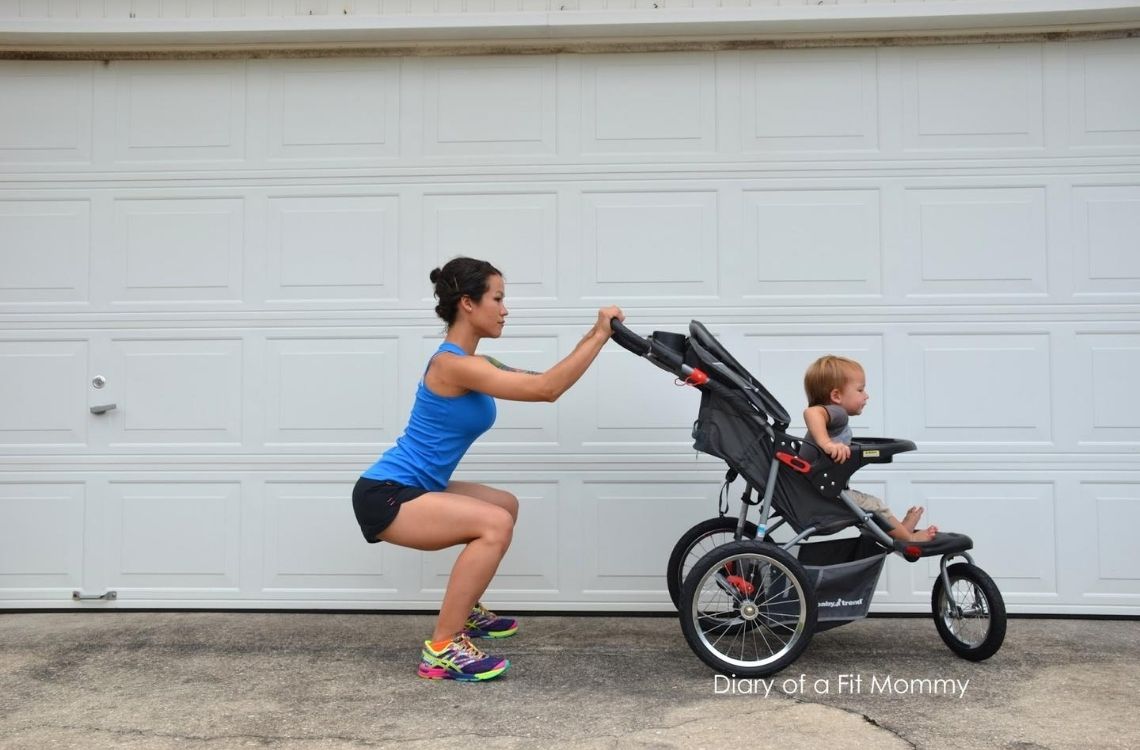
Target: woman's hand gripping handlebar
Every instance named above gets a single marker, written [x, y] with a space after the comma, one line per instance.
[660, 355]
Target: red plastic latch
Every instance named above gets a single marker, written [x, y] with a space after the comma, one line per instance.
[745, 587]
[696, 377]
[795, 463]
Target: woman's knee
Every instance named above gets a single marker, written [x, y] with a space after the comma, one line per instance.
[503, 499]
[511, 505]
[498, 527]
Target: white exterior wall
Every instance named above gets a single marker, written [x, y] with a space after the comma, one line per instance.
[241, 248]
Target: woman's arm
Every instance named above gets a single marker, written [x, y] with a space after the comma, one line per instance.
[506, 367]
[479, 374]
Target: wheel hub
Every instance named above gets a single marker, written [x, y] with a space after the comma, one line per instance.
[749, 611]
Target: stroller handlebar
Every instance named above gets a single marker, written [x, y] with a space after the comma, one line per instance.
[627, 339]
[655, 351]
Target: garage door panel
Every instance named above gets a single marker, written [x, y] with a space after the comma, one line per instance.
[1106, 240]
[171, 535]
[515, 232]
[45, 251]
[176, 250]
[966, 242]
[332, 391]
[789, 232]
[649, 244]
[1105, 512]
[489, 106]
[47, 114]
[1105, 362]
[180, 112]
[173, 392]
[784, 93]
[42, 394]
[332, 247]
[303, 96]
[649, 104]
[1104, 103]
[980, 389]
[944, 107]
[41, 538]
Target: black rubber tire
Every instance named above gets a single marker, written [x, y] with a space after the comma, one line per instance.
[987, 642]
[757, 562]
[695, 543]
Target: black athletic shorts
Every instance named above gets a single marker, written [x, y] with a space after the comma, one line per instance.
[376, 503]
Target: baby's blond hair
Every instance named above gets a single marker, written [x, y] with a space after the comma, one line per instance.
[826, 374]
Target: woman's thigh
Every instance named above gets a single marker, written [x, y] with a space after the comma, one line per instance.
[501, 498]
[436, 520]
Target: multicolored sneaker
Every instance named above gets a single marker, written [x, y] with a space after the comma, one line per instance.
[483, 623]
[460, 660]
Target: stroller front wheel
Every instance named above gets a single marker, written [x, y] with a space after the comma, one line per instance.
[748, 609]
[971, 616]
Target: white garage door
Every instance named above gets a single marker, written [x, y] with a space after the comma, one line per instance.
[240, 250]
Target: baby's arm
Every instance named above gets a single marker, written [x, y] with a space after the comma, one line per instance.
[816, 419]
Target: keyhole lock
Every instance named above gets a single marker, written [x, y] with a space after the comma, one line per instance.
[99, 381]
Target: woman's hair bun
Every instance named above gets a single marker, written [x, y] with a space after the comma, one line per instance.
[460, 277]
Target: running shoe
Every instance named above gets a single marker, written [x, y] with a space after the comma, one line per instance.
[483, 623]
[460, 660]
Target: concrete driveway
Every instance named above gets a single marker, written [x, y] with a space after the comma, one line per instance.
[308, 681]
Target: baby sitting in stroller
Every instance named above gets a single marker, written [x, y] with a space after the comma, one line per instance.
[836, 390]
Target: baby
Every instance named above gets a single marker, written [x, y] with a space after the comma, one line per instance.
[836, 390]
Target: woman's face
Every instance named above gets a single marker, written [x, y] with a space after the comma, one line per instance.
[489, 314]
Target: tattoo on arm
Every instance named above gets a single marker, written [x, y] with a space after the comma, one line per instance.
[506, 368]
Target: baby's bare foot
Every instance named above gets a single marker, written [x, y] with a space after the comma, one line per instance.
[910, 520]
[924, 535]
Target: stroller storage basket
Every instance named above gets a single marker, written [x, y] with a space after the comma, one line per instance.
[844, 573]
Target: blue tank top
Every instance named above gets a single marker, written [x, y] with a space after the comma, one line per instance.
[439, 432]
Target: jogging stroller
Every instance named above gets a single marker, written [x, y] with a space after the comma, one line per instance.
[749, 605]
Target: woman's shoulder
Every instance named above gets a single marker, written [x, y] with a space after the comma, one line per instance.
[447, 347]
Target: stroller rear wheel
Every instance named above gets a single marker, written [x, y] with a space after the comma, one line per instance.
[695, 543]
[748, 609]
[971, 616]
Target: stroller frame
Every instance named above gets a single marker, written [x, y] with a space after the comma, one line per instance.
[729, 579]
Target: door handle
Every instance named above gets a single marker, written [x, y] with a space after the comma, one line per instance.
[103, 408]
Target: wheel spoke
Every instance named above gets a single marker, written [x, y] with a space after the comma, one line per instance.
[966, 612]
